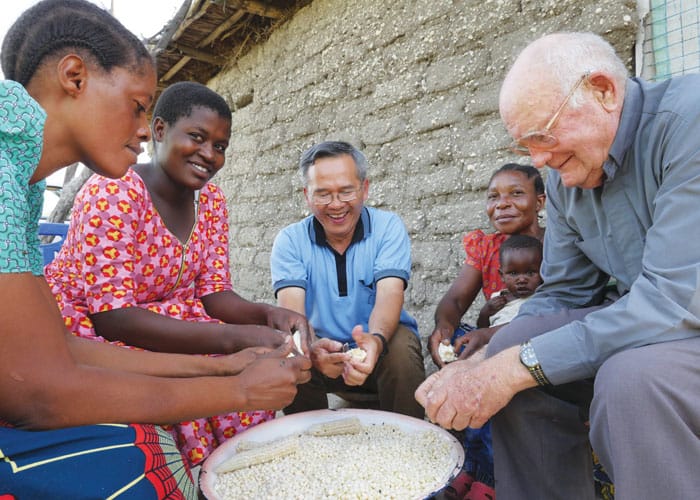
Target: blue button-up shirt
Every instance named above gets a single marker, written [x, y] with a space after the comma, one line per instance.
[641, 227]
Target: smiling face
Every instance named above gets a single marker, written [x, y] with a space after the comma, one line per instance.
[334, 176]
[567, 88]
[582, 133]
[552, 88]
[192, 150]
[512, 203]
[520, 271]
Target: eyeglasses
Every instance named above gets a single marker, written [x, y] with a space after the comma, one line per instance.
[327, 198]
[543, 139]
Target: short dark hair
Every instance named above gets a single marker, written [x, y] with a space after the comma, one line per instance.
[178, 100]
[528, 170]
[55, 27]
[519, 242]
[332, 149]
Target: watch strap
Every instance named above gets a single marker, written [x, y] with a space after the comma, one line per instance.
[385, 344]
[529, 359]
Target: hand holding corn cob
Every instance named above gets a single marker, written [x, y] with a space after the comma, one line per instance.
[235, 363]
[447, 352]
[356, 370]
[288, 321]
[270, 381]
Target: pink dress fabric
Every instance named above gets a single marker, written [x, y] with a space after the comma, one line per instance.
[118, 253]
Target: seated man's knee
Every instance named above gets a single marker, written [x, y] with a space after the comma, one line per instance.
[515, 333]
[527, 327]
[623, 393]
[624, 380]
[405, 357]
[405, 343]
[502, 340]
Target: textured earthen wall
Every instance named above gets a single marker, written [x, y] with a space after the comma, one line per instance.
[414, 84]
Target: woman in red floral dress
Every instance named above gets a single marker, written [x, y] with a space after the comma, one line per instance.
[514, 197]
[145, 262]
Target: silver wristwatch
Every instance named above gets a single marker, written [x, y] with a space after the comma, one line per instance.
[529, 359]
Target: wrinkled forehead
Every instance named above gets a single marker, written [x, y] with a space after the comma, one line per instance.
[527, 99]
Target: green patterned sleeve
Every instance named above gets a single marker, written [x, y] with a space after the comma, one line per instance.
[21, 127]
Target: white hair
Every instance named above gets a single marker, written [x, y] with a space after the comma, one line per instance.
[568, 56]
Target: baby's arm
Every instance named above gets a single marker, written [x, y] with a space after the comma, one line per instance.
[492, 306]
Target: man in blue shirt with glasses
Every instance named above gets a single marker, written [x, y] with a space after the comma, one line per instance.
[346, 267]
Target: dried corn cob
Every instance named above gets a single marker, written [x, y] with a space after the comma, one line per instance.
[260, 454]
[447, 353]
[350, 425]
[357, 354]
[297, 345]
[249, 445]
[297, 341]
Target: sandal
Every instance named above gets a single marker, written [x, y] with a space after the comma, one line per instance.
[480, 491]
[458, 488]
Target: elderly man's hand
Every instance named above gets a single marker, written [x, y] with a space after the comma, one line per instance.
[466, 394]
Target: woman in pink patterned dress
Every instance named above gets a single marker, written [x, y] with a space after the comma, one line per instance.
[145, 263]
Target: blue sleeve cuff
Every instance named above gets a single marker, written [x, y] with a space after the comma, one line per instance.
[393, 273]
[279, 285]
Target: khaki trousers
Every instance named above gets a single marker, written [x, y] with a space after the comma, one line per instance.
[395, 379]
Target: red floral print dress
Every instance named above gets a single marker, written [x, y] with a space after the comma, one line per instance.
[482, 254]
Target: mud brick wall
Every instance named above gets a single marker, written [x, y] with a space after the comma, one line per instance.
[414, 84]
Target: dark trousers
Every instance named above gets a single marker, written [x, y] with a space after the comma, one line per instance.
[395, 379]
[644, 415]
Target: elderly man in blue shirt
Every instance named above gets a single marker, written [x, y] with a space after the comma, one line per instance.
[346, 267]
[611, 339]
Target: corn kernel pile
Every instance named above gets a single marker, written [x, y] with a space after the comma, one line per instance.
[370, 461]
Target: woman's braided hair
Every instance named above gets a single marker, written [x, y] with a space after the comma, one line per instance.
[56, 27]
